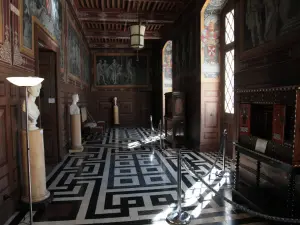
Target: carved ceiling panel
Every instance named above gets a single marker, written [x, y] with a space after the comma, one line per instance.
[107, 22]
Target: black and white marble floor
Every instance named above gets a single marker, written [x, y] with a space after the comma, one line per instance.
[122, 185]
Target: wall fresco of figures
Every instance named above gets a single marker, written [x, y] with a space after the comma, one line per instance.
[86, 66]
[266, 20]
[49, 14]
[210, 45]
[121, 70]
[74, 63]
[167, 65]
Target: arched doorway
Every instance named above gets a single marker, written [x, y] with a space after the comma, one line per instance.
[167, 72]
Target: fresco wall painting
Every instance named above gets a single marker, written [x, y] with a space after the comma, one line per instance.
[48, 14]
[73, 50]
[86, 66]
[120, 70]
[265, 21]
[210, 48]
[167, 66]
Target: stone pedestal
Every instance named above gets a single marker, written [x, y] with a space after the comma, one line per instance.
[116, 115]
[37, 167]
[76, 134]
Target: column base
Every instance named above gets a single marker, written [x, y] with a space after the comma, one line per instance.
[36, 199]
[37, 205]
[77, 149]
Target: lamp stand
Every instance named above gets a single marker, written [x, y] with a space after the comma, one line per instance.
[28, 159]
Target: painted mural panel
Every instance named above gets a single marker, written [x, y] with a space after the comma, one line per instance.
[86, 67]
[167, 65]
[265, 20]
[210, 46]
[74, 54]
[121, 70]
[49, 15]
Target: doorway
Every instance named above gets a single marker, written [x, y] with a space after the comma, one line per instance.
[48, 105]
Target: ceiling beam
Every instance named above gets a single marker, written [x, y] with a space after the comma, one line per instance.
[112, 16]
[89, 33]
[115, 45]
[158, 1]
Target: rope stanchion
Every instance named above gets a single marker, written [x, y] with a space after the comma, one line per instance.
[221, 149]
[224, 149]
[238, 206]
[160, 139]
[178, 216]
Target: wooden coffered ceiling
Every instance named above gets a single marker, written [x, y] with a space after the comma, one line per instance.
[106, 22]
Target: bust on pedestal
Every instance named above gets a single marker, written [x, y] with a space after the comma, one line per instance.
[75, 125]
[36, 146]
[116, 112]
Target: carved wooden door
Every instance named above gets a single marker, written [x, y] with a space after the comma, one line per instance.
[48, 105]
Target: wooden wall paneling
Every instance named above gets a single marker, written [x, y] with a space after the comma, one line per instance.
[8, 149]
[186, 69]
[210, 116]
[134, 103]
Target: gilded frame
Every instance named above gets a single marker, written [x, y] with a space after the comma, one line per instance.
[119, 86]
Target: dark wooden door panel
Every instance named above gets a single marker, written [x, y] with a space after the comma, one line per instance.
[3, 145]
[9, 147]
[48, 108]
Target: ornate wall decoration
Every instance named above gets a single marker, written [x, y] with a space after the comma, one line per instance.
[18, 60]
[167, 65]
[5, 49]
[47, 13]
[210, 46]
[74, 55]
[210, 39]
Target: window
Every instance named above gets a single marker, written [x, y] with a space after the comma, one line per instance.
[229, 63]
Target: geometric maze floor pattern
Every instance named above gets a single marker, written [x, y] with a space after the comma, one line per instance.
[117, 185]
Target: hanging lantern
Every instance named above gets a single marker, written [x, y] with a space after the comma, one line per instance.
[137, 33]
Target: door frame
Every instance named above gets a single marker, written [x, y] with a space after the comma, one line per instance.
[42, 36]
[228, 121]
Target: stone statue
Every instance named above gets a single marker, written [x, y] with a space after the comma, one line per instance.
[33, 110]
[254, 20]
[74, 109]
[115, 101]
[116, 112]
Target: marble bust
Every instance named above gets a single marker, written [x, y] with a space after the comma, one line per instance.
[74, 109]
[115, 101]
[33, 110]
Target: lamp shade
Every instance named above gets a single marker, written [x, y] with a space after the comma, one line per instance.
[25, 81]
[137, 33]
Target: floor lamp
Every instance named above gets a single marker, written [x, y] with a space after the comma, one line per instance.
[27, 82]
